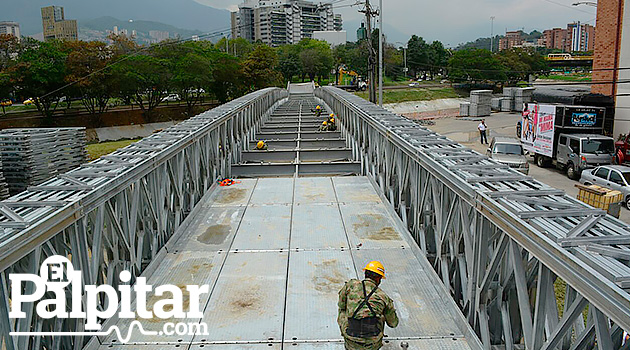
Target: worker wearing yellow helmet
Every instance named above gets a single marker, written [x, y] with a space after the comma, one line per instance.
[364, 309]
[317, 111]
[261, 145]
[324, 126]
[332, 125]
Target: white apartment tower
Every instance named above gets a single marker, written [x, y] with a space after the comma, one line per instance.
[10, 28]
[279, 22]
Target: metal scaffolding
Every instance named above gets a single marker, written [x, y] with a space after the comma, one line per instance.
[500, 240]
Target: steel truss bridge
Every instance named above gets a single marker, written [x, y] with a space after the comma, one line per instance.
[479, 256]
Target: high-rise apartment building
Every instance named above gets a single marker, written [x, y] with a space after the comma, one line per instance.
[576, 37]
[10, 28]
[581, 37]
[511, 40]
[56, 26]
[279, 22]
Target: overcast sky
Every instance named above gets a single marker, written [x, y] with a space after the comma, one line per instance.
[458, 21]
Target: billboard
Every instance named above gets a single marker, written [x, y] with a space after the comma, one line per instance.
[537, 128]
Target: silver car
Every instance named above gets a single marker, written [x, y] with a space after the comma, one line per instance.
[616, 177]
[508, 151]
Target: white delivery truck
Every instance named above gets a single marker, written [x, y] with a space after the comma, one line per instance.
[569, 137]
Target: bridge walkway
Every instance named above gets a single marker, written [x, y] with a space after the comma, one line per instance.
[276, 251]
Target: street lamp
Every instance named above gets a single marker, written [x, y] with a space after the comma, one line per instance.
[588, 3]
[404, 47]
[492, 34]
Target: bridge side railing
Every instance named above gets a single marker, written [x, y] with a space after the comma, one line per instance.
[118, 212]
[525, 263]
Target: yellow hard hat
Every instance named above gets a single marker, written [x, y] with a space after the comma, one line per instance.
[332, 114]
[376, 267]
[332, 120]
[325, 123]
[260, 144]
[318, 107]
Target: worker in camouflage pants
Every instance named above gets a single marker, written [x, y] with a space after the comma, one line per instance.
[364, 309]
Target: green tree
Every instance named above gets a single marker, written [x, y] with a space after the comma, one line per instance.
[417, 55]
[259, 68]
[438, 58]
[9, 47]
[86, 65]
[40, 73]
[520, 63]
[228, 78]
[316, 59]
[144, 79]
[476, 65]
[192, 73]
[289, 63]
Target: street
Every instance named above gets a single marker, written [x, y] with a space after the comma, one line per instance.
[464, 131]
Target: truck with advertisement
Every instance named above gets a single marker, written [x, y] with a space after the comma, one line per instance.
[569, 137]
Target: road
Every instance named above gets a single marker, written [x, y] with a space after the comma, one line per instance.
[465, 132]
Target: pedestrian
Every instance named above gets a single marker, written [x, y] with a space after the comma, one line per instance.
[364, 309]
[483, 128]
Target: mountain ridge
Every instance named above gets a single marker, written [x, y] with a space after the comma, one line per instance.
[184, 14]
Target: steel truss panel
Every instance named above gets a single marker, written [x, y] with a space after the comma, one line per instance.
[498, 239]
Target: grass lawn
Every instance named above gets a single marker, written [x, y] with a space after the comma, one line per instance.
[396, 96]
[568, 77]
[96, 150]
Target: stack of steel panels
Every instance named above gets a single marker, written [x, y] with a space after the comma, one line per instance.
[464, 109]
[496, 104]
[4, 188]
[480, 103]
[508, 94]
[521, 96]
[506, 104]
[32, 156]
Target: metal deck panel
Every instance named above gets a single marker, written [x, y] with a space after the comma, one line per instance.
[421, 309]
[355, 189]
[145, 347]
[273, 191]
[394, 344]
[369, 225]
[211, 230]
[181, 269]
[268, 346]
[235, 195]
[248, 301]
[317, 226]
[315, 278]
[314, 190]
[264, 227]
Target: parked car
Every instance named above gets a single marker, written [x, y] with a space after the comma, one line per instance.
[6, 103]
[509, 151]
[414, 84]
[616, 177]
[28, 102]
[171, 98]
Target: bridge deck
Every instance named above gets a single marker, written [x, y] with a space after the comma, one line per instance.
[275, 253]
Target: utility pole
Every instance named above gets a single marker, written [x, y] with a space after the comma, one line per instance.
[369, 13]
[492, 34]
[380, 53]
